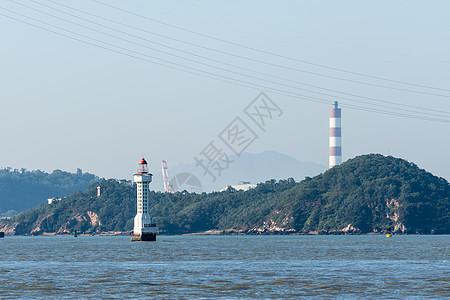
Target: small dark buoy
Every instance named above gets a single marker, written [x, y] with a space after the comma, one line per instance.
[75, 233]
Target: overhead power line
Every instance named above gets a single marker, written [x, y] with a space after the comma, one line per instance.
[290, 29]
[291, 68]
[198, 71]
[274, 54]
[235, 66]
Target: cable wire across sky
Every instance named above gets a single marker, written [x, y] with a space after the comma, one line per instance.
[264, 80]
[222, 62]
[288, 67]
[273, 54]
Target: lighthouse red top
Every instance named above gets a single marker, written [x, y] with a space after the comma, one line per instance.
[142, 166]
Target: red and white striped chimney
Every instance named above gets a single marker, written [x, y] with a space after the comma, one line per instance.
[335, 157]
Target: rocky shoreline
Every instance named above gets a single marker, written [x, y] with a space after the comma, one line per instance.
[218, 232]
[348, 230]
[242, 232]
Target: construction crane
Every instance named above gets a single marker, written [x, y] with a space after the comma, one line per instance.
[165, 173]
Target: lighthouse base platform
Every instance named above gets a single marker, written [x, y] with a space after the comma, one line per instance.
[144, 237]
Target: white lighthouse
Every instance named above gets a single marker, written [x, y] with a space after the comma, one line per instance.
[335, 157]
[144, 229]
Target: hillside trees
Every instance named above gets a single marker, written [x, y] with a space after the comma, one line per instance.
[370, 193]
[22, 189]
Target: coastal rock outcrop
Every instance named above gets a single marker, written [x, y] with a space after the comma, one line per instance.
[81, 222]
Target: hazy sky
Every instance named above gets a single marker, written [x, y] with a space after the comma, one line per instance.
[68, 104]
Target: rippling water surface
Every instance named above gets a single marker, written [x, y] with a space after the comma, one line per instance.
[225, 267]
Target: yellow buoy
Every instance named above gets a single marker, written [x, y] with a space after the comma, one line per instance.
[388, 235]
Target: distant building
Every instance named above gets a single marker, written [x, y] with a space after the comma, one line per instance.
[242, 186]
[53, 200]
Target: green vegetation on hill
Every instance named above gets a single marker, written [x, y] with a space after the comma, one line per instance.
[369, 193]
[21, 189]
[373, 193]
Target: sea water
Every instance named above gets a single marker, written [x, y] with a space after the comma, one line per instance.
[244, 267]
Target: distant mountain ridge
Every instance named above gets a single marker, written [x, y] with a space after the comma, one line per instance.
[251, 167]
[22, 189]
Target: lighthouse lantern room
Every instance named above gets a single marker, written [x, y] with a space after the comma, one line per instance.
[144, 228]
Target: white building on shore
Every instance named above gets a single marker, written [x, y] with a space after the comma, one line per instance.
[242, 186]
